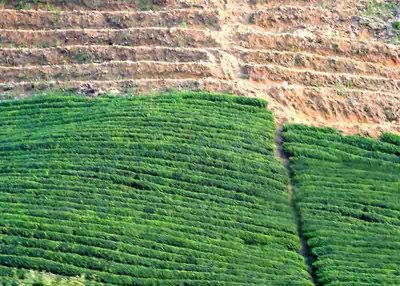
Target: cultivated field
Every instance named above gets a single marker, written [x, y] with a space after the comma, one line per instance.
[310, 59]
[347, 192]
[182, 188]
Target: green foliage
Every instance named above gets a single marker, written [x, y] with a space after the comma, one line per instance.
[396, 25]
[391, 138]
[182, 188]
[51, 5]
[82, 57]
[34, 278]
[145, 5]
[379, 8]
[347, 189]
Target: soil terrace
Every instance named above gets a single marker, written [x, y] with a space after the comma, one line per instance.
[307, 58]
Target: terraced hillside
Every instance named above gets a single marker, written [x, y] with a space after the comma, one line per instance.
[181, 188]
[310, 59]
[347, 191]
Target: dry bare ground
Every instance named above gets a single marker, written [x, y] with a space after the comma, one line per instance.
[309, 59]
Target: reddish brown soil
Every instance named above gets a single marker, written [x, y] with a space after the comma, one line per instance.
[309, 59]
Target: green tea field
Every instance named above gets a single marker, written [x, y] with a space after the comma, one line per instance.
[178, 189]
[347, 192]
[200, 142]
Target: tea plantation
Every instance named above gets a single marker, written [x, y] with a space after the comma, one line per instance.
[348, 196]
[178, 189]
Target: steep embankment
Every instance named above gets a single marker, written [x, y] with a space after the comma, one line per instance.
[308, 58]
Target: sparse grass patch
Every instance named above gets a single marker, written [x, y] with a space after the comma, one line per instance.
[382, 18]
[379, 8]
[395, 40]
[34, 278]
[145, 5]
[82, 57]
[336, 47]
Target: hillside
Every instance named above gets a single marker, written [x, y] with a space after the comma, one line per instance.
[199, 142]
[183, 188]
[187, 189]
[347, 191]
[314, 61]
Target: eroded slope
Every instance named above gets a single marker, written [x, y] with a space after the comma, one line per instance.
[310, 59]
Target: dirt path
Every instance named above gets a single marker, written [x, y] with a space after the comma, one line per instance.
[305, 250]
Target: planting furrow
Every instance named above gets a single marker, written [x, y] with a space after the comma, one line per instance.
[39, 20]
[121, 86]
[291, 18]
[277, 3]
[111, 70]
[373, 52]
[316, 62]
[72, 5]
[169, 37]
[98, 54]
[273, 73]
[110, 5]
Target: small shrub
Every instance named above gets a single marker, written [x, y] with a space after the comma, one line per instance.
[82, 57]
[396, 25]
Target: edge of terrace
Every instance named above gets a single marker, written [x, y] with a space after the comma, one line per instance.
[183, 94]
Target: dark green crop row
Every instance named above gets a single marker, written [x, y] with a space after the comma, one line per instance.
[347, 192]
[391, 138]
[181, 189]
